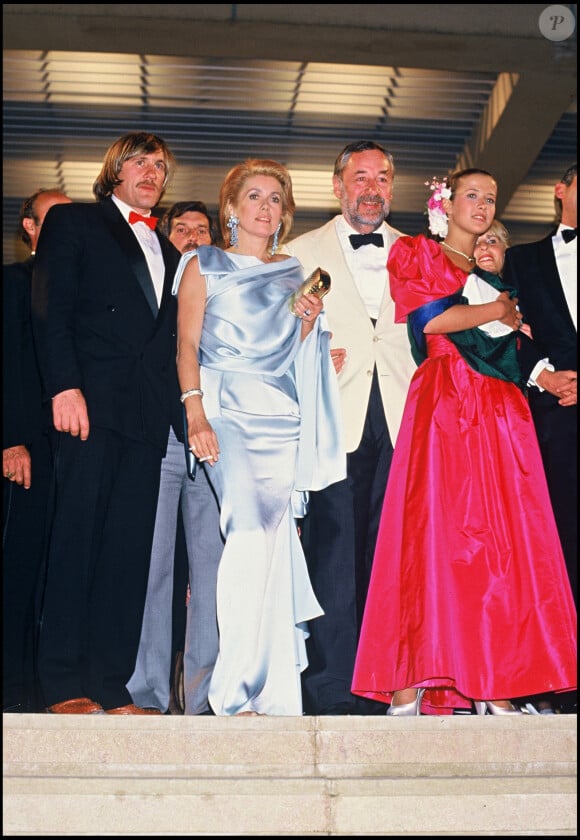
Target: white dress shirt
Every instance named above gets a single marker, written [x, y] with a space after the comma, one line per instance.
[565, 254]
[150, 246]
[368, 266]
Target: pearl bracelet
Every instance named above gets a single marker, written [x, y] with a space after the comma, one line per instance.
[193, 392]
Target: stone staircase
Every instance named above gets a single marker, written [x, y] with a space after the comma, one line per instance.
[171, 775]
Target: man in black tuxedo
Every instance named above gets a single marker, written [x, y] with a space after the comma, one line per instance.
[26, 463]
[105, 324]
[544, 274]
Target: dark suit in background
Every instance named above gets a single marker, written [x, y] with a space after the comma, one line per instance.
[99, 330]
[532, 269]
[27, 465]
[24, 423]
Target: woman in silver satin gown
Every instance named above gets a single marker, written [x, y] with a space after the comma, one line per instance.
[262, 410]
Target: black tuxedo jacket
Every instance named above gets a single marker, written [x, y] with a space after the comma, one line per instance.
[531, 268]
[96, 323]
[23, 418]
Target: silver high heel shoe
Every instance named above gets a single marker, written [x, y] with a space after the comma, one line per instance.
[408, 709]
[486, 706]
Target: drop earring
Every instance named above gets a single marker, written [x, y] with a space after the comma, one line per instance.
[275, 239]
[232, 224]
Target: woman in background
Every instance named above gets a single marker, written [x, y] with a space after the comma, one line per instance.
[489, 249]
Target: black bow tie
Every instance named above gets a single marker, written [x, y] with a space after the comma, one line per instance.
[568, 234]
[358, 239]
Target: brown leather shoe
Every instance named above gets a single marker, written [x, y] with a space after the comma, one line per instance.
[76, 706]
[131, 709]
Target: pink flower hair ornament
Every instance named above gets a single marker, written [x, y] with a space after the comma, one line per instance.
[434, 208]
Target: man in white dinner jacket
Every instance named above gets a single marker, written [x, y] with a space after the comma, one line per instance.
[373, 360]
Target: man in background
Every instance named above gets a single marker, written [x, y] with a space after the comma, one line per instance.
[545, 276]
[176, 657]
[26, 463]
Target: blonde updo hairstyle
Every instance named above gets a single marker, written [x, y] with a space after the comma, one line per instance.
[234, 183]
[500, 231]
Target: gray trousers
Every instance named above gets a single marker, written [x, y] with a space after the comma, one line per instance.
[149, 685]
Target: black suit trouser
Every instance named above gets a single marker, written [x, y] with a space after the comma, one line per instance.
[23, 546]
[339, 536]
[105, 501]
[557, 430]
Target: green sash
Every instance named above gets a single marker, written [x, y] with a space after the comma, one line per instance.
[490, 356]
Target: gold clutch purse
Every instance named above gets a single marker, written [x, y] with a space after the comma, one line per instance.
[318, 283]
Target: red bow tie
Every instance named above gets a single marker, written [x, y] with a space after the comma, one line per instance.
[151, 221]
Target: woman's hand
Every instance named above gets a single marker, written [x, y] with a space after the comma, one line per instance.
[308, 307]
[512, 317]
[202, 440]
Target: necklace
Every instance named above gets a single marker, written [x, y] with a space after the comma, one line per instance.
[470, 260]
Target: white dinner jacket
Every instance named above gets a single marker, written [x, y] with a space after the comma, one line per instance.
[385, 345]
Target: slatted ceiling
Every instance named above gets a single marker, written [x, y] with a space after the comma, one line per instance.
[560, 146]
[531, 200]
[450, 111]
[449, 99]
[62, 110]
[97, 76]
[105, 77]
[313, 189]
[326, 89]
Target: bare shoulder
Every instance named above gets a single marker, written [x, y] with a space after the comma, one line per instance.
[189, 274]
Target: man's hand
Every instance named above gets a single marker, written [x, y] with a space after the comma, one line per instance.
[16, 465]
[338, 356]
[560, 383]
[69, 413]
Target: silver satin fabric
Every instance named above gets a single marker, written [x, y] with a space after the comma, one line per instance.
[273, 402]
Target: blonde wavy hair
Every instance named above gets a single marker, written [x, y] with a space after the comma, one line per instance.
[234, 182]
[500, 231]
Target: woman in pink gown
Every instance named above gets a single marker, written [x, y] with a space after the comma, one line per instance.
[469, 599]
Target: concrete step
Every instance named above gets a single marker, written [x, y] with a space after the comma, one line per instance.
[171, 775]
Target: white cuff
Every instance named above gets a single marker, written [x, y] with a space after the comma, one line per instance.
[543, 364]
